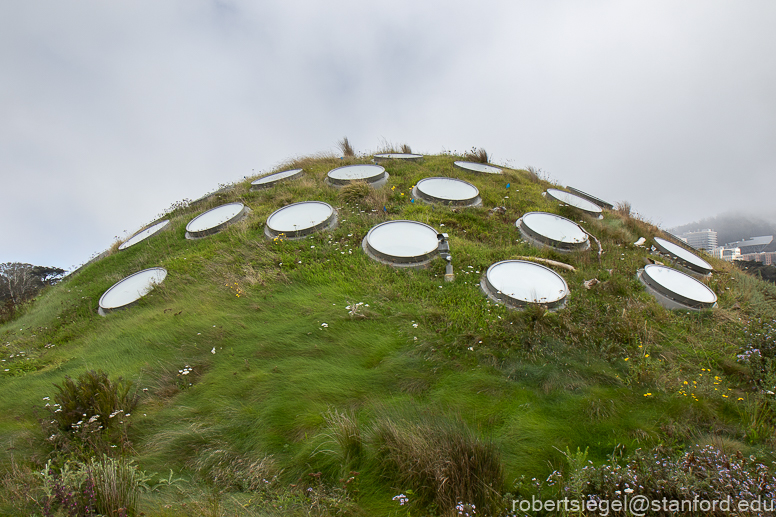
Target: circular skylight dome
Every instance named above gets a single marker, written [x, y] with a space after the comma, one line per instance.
[448, 191]
[272, 179]
[685, 258]
[589, 197]
[144, 234]
[516, 283]
[401, 243]
[300, 219]
[407, 157]
[215, 220]
[554, 231]
[477, 167]
[129, 290]
[374, 175]
[676, 290]
[577, 202]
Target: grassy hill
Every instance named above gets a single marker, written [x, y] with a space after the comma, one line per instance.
[264, 389]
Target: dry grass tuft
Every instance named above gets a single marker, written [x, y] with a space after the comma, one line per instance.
[346, 148]
[443, 461]
[534, 174]
[623, 208]
[477, 155]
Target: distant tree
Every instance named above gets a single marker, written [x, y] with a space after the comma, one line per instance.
[22, 282]
[767, 273]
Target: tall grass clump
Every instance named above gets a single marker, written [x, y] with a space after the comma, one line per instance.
[355, 191]
[117, 485]
[344, 432]
[346, 148]
[105, 486]
[444, 463]
[224, 469]
[477, 155]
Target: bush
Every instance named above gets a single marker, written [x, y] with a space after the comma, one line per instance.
[90, 414]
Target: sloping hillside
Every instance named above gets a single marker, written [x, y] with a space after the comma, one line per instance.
[281, 377]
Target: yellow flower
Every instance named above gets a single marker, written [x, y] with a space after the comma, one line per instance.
[627, 358]
[647, 355]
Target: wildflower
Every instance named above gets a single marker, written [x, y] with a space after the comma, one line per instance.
[403, 499]
[213, 351]
[324, 325]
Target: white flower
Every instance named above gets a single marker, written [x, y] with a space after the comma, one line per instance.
[324, 325]
[415, 325]
[213, 351]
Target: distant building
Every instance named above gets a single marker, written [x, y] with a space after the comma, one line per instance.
[701, 239]
[767, 257]
[753, 245]
[725, 253]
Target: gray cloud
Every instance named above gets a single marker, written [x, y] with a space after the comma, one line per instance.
[112, 111]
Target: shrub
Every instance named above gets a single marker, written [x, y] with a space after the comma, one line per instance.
[90, 413]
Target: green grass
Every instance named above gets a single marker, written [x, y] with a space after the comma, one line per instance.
[606, 371]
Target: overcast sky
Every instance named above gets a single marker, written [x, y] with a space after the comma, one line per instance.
[111, 111]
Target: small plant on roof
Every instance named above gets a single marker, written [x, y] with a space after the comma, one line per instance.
[406, 149]
[345, 147]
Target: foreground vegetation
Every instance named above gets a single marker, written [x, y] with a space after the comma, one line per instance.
[279, 377]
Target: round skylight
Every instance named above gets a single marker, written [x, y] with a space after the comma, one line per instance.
[144, 234]
[374, 175]
[676, 290]
[684, 257]
[590, 197]
[516, 283]
[575, 201]
[407, 157]
[300, 219]
[401, 243]
[215, 220]
[477, 167]
[554, 231]
[272, 179]
[448, 191]
[129, 290]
